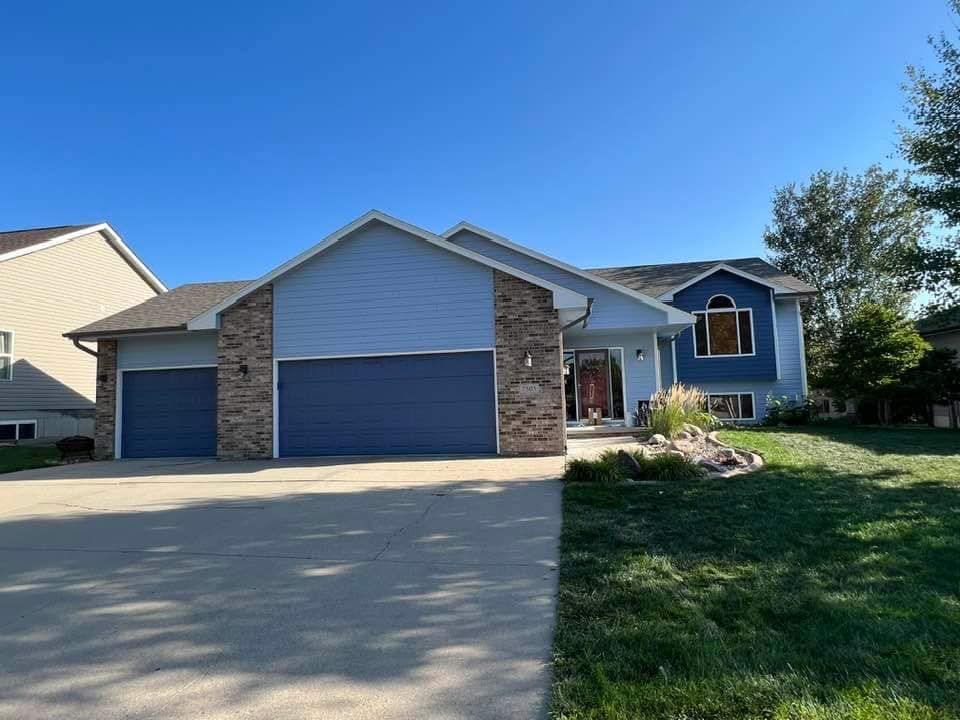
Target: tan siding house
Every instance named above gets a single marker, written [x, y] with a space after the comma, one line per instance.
[54, 280]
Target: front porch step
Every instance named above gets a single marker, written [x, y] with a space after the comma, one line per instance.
[606, 431]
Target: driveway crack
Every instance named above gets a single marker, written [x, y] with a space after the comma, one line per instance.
[416, 521]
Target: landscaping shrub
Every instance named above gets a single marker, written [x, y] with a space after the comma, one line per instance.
[785, 411]
[612, 468]
[677, 405]
[608, 468]
[666, 467]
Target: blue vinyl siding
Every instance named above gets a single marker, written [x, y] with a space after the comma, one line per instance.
[611, 309]
[641, 379]
[407, 404]
[169, 413]
[161, 351]
[791, 382]
[382, 291]
[666, 362]
[746, 294]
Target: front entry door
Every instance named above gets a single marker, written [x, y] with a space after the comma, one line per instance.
[593, 373]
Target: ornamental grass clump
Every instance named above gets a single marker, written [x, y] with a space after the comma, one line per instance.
[612, 468]
[679, 404]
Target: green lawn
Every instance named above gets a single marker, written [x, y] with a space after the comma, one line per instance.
[826, 586]
[23, 457]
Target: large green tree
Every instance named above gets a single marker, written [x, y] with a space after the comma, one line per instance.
[853, 238]
[874, 353]
[931, 144]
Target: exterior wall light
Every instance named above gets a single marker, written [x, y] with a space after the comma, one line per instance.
[527, 358]
[640, 354]
[243, 370]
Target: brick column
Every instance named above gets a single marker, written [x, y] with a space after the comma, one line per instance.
[530, 399]
[105, 415]
[245, 399]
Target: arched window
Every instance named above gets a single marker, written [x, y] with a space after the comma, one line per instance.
[723, 329]
[720, 301]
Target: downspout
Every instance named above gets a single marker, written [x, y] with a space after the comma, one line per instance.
[583, 318]
[87, 350]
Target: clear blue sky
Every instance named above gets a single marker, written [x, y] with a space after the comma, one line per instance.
[221, 141]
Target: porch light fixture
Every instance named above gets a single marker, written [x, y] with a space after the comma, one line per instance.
[243, 370]
[640, 354]
[527, 358]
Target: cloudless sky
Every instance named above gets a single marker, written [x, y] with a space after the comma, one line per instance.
[220, 139]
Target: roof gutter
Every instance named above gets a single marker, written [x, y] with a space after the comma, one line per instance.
[88, 351]
[583, 318]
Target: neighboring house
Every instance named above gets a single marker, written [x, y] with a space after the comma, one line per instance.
[942, 330]
[55, 279]
[385, 338]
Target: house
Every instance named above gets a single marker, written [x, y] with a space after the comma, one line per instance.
[942, 330]
[385, 338]
[55, 279]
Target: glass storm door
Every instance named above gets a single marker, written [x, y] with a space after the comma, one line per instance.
[593, 381]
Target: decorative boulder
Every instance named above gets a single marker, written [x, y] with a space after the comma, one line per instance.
[629, 463]
[657, 439]
[693, 430]
[709, 465]
[728, 455]
[681, 445]
[683, 435]
[678, 453]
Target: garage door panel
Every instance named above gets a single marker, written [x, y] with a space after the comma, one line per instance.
[438, 403]
[169, 413]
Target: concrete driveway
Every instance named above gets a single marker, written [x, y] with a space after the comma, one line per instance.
[185, 589]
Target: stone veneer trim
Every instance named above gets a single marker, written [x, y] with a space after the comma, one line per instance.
[530, 400]
[105, 413]
[245, 398]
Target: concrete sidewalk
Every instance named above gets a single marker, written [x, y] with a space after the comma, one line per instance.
[383, 589]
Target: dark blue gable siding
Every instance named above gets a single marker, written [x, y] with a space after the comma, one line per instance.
[746, 294]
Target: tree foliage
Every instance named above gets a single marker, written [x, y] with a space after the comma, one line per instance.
[873, 354]
[853, 238]
[931, 144]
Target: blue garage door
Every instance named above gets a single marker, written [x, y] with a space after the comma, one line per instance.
[169, 413]
[399, 405]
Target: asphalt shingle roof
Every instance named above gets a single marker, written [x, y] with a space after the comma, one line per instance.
[655, 280]
[169, 311]
[12, 240]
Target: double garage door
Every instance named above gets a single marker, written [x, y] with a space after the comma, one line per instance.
[392, 405]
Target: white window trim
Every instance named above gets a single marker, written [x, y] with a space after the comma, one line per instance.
[13, 347]
[734, 309]
[738, 393]
[17, 424]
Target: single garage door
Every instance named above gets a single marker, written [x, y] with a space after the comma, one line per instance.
[396, 405]
[169, 413]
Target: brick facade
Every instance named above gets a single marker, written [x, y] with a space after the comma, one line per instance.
[245, 399]
[105, 418]
[530, 399]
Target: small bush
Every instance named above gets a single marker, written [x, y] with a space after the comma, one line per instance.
[608, 468]
[666, 467]
[783, 410]
[677, 405]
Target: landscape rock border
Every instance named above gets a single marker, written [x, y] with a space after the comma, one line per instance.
[754, 461]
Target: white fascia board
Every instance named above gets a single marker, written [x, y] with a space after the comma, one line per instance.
[777, 289]
[674, 315]
[562, 297]
[112, 237]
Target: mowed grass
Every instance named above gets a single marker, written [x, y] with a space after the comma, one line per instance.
[826, 586]
[23, 457]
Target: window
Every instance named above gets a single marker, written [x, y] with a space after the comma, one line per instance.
[6, 355]
[732, 406]
[723, 330]
[17, 430]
